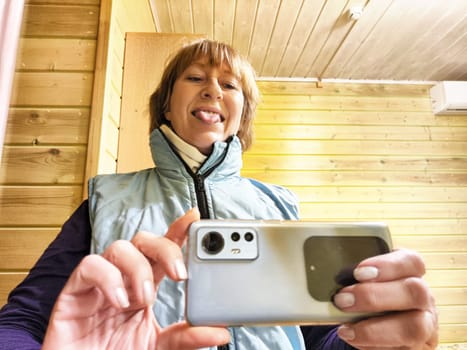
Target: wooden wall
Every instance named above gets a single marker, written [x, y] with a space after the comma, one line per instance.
[42, 169]
[375, 152]
[350, 151]
[55, 93]
[118, 17]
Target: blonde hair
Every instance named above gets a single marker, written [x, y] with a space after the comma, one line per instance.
[217, 54]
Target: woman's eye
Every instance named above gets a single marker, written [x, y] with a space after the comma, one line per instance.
[230, 86]
[194, 78]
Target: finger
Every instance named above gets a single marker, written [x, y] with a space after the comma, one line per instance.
[135, 268]
[164, 255]
[95, 272]
[181, 336]
[406, 294]
[177, 232]
[165, 251]
[413, 329]
[395, 265]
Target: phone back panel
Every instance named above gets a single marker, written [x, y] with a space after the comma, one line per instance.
[288, 276]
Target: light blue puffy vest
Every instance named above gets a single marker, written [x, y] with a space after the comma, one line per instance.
[151, 199]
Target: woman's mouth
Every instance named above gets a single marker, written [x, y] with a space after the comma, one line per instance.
[208, 116]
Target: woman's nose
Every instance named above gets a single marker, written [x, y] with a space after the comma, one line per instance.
[212, 90]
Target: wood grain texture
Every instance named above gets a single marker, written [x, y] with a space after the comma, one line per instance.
[32, 206]
[43, 165]
[21, 247]
[38, 126]
[41, 176]
[56, 54]
[374, 152]
[392, 40]
[54, 20]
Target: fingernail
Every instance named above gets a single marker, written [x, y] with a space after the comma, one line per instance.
[344, 300]
[346, 333]
[122, 297]
[148, 290]
[180, 269]
[365, 273]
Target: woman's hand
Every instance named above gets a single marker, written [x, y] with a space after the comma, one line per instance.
[107, 302]
[390, 283]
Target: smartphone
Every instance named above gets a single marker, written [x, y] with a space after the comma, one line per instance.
[245, 272]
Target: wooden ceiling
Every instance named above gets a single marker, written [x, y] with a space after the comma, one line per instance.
[416, 40]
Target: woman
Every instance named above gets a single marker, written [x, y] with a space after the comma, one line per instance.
[135, 225]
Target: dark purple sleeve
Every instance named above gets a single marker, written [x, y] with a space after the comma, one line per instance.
[24, 319]
[323, 338]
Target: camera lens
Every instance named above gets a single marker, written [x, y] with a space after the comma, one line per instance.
[249, 236]
[213, 242]
[235, 236]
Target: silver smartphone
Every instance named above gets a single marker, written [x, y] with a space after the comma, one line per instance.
[243, 272]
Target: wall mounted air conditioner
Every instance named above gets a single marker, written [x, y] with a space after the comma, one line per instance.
[449, 97]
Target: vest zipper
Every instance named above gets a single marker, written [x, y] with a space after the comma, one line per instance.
[201, 197]
[202, 200]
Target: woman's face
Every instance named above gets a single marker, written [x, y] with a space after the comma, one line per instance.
[206, 105]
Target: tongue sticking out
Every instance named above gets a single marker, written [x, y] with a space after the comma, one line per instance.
[207, 117]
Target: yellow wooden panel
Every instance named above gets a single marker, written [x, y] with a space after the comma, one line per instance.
[52, 89]
[283, 27]
[447, 278]
[352, 162]
[98, 106]
[113, 107]
[116, 79]
[374, 152]
[305, 102]
[450, 296]
[21, 247]
[320, 37]
[70, 2]
[382, 211]
[452, 314]
[349, 117]
[432, 226]
[53, 54]
[446, 260]
[355, 178]
[117, 42]
[181, 17]
[38, 206]
[42, 165]
[243, 26]
[369, 194]
[107, 164]
[363, 147]
[455, 334]
[262, 29]
[57, 20]
[347, 89]
[203, 17]
[430, 243]
[223, 30]
[137, 15]
[110, 137]
[359, 132]
[35, 126]
[9, 280]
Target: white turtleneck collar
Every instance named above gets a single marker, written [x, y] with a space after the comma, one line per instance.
[190, 154]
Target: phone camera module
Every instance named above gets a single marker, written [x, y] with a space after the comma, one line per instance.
[249, 236]
[235, 236]
[213, 242]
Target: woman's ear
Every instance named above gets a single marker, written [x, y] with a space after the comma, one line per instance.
[167, 116]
